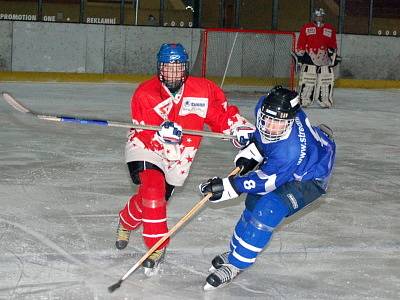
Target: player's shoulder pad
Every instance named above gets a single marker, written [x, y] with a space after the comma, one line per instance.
[153, 81]
[307, 25]
[329, 26]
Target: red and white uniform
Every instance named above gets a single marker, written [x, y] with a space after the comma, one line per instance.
[316, 40]
[198, 102]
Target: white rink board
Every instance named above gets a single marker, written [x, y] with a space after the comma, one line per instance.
[62, 185]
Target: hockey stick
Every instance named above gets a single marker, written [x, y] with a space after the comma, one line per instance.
[86, 121]
[182, 221]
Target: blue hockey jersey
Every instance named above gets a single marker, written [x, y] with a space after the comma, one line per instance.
[305, 153]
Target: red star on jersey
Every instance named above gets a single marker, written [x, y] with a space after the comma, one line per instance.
[189, 159]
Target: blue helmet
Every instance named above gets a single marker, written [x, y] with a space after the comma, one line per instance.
[169, 53]
[172, 66]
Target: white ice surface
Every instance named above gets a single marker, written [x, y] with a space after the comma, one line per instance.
[62, 185]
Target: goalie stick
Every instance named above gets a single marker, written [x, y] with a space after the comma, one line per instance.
[87, 121]
[182, 221]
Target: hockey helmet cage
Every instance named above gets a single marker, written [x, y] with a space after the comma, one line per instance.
[276, 114]
[172, 66]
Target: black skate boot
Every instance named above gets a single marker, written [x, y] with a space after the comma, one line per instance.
[221, 277]
[152, 264]
[219, 261]
[122, 237]
[327, 130]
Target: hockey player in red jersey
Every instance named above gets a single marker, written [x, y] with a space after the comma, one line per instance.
[159, 161]
[317, 54]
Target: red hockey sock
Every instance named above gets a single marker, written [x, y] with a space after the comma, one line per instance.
[131, 215]
[154, 215]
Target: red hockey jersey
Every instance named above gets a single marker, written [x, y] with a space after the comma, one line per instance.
[316, 40]
[198, 102]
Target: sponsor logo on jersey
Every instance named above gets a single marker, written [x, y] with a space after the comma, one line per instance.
[311, 30]
[302, 140]
[327, 32]
[192, 105]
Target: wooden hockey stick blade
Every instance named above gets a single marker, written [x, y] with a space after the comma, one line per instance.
[115, 286]
[108, 123]
[14, 103]
[182, 221]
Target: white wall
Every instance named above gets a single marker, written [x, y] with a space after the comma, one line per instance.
[57, 47]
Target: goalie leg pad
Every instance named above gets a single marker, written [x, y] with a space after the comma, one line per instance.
[307, 82]
[324, 89]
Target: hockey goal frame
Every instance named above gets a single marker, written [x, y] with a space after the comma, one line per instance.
[205, 38]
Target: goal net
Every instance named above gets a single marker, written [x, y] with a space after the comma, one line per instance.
[246, 57]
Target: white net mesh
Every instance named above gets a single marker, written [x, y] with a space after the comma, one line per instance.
[249, 57]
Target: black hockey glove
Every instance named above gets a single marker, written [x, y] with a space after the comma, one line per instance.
[302, 58]
[336, 59]
[221, 189]
[248, 158]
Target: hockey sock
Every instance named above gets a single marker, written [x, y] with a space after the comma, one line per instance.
[154, 215]
[131, 214]
[255, 234]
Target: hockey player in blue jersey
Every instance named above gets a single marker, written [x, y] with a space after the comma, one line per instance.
[293, 162]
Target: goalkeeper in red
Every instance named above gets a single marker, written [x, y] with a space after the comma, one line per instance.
[159, 161]
[317, 55]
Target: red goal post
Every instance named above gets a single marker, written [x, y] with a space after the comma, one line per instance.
[248, 57]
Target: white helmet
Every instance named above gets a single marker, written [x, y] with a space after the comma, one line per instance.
[318, 15]
[319, 12]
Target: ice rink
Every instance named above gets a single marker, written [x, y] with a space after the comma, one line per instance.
[62, 186]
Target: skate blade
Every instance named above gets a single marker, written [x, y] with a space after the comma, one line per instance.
[149, 272]
[209, 287]
[212, 269]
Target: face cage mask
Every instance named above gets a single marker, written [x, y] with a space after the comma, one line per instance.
[319, 20]
[271, 128]
[173, 75]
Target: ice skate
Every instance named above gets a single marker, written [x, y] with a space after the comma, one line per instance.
[122, 237]
[219, 261]
[152, 264]
[221, 277]
[324, 104]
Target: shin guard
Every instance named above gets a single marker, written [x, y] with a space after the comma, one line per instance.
[253, 234]
[154, 215]
[131, 215]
